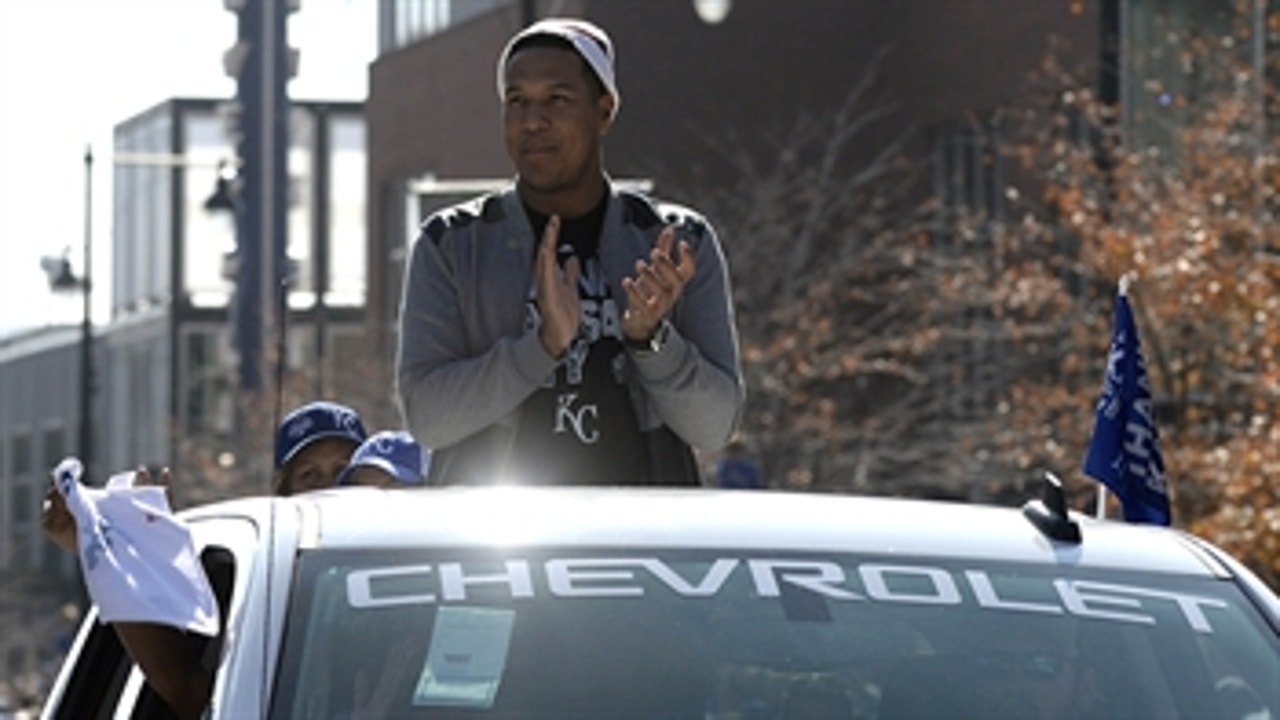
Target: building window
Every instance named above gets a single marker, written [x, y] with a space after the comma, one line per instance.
[345, 284]
[55, 448]
[969, 172]
[300, 256]
[969, 182]
[22, 460]
[402, 22]
[208, 239]
[207, 364]
[142, 212]
[1164, 79]
[24, 509]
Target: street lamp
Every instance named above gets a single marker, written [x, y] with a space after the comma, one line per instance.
[712, 12]
[223, 197]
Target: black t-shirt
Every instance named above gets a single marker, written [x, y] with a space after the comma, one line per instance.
[580, 428]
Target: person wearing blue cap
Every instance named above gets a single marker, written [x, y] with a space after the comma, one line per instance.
[579, 333]
[314, 445]
[390, 458]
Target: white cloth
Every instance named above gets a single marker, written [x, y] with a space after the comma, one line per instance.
[139, 561]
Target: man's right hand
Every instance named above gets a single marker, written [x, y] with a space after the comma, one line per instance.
[558, 300]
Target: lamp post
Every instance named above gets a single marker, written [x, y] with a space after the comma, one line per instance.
[86, 322]
[62, 279]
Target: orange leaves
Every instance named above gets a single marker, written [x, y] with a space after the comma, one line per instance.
[1192, 216]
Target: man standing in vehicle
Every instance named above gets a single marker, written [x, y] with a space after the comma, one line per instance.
[565, 331]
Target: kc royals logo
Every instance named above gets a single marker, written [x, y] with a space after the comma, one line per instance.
[346, 420]
[578, 418]
[300, 427]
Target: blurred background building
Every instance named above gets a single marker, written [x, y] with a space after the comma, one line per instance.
[169, 349]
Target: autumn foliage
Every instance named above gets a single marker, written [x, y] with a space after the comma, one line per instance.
[1192, 219]
[899, 341]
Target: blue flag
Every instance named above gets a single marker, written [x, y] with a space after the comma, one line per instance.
[1124, 453]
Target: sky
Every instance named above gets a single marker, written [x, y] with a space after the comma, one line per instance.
[70, 70]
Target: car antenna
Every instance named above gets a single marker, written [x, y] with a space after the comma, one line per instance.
[1049, 514]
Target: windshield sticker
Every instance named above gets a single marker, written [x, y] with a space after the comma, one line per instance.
[768, 578]
[466, 659]
[1079, 594]
[616, 577]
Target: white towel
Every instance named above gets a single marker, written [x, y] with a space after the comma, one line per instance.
[139, 561]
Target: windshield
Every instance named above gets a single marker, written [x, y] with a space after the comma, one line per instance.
[579, 633]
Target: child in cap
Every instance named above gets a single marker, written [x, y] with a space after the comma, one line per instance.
[390, 458]
[314, 444]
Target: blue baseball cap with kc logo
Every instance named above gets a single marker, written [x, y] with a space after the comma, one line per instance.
[394, 452]
[316, 421]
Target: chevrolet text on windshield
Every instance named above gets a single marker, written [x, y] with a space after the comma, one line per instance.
[586, 577]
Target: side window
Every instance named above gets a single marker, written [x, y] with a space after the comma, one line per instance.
[97, 687]
[99, 674]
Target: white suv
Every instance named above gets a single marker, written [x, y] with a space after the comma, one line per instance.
[568, 604]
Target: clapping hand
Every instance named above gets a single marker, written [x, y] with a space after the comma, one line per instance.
[558, 300]
[656, 286]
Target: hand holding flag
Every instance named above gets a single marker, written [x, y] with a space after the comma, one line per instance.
[1124, 453]
[139, 561]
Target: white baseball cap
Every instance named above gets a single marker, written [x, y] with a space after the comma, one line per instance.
[588, 40]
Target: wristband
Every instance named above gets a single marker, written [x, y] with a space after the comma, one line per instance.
[653, 344]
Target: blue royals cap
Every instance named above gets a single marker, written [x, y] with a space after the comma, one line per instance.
[316, 421]
[394, 452]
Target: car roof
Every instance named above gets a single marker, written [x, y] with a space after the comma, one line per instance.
[737, 520]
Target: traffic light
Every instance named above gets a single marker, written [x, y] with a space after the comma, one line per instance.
[261, 63]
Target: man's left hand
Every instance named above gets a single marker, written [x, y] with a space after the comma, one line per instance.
[656, 286]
